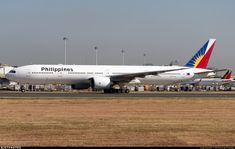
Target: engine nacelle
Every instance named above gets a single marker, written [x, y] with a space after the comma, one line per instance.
[101, 83]
[82, 85]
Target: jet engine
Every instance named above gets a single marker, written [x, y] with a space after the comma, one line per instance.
[101, 83]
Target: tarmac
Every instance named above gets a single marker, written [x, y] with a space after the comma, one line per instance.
[17, 94]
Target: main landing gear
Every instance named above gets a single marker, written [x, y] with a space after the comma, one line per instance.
[113, 90]
[22, 88]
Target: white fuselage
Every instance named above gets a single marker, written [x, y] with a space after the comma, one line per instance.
[75, 74]
[212, 81]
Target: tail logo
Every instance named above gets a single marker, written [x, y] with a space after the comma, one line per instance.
[227, 75]
[201, 58]
[198, 60]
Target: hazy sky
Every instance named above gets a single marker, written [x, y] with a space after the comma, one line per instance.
[32, 31]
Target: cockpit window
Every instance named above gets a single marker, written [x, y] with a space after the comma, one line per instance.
[12, 71]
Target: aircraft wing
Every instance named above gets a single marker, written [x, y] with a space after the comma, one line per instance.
[130, 76]
[217, 70]
[205, 73]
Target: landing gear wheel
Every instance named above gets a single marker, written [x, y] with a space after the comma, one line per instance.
[127, 91]
[22, 88]
[107, 91]
[118, 91]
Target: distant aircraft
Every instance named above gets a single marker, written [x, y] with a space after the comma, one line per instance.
[106, 77]
[225, 80]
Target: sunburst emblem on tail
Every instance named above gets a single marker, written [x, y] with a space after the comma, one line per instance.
[202, 57]
[227, 75]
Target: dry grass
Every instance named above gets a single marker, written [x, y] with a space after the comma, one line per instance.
[117, 122]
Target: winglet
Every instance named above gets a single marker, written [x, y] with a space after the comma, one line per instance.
[202, 57]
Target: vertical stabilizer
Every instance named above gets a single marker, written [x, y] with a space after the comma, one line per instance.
[202, 57]
[227, 75]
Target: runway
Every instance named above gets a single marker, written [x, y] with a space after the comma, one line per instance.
[15, 94]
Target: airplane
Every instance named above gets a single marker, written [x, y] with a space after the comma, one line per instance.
[106, 77]
[225, 80]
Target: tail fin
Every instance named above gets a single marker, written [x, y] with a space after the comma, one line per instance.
[202, 57]
[227, 75]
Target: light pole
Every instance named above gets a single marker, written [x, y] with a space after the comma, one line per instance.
[96, 55]
[144, 58]
[123, 58]
[65, 49]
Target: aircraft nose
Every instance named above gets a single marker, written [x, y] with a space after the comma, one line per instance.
[8, 76]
